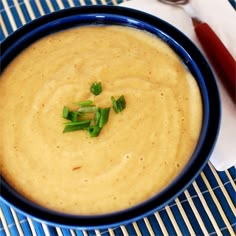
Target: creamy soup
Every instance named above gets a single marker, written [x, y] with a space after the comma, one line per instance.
[138, 152]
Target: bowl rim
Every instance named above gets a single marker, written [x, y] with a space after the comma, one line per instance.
[192, 58]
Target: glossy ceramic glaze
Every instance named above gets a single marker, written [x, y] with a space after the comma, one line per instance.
[190, 56]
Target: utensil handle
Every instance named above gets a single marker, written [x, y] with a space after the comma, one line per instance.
[220, 57]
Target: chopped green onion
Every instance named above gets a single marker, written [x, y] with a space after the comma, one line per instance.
[97, 116]
[104, 116]
[119, 104]
[96, 88]
[65, 112]
[79, 125]
[87, 109]
[94, 131]
[84, 103]
[73, 116]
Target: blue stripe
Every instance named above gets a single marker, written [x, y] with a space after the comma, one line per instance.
[79, 233]
[25, 12]
[66, 232]
[9, 219]
[77, 2]
[55, 5]
[24, 224]
[99, 2]
[2, 36]
[66, 4]
[212, 206]
[201, 210]
[104, 232]
[45, 6]
[232, 172]
[180, 220]
[6, 22]
[91, 233]
[190, 214]
[117, 231]
[38, 228]
[130, 229]
[35, 9]
[155, 226]
[88, 2]
[52, 231]
[2, 232]
[16, 17]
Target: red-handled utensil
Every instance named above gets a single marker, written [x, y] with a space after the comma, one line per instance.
[219, 56]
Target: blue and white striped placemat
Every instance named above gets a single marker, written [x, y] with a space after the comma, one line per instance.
[207, 207]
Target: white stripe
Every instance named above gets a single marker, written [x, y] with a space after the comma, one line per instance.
[103, 2]
[149, 227]
[71, 3]
[10, 16]
[97, 232]
[231, 180]
[196, 213]
[19, 11]
[217, 204]
[161, 224]
[72, 232]
[222, 186]
[30, 10]
[4, 29]
[18, 226]
[59, 233]
[206, 208]
[4, 223]
[173, 221]
[84, 233]
[186, 220]
[45, 229]
[40, 8]
[124, 231]
[93, 2]
[111, 232]
[50, 6]
[136, 228]
[60, 4]
[31, 227]
[82, 2]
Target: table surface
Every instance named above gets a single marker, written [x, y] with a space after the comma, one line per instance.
[206, 207]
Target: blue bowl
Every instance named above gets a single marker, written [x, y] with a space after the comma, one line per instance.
[190, 56]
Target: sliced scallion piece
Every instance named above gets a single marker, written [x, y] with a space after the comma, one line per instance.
[104, 114]
[65, 112]
[96, 88]
[94, 131]
[79, 125]
[87, 109]
[119, 104]
[97, 116]
[84, 103]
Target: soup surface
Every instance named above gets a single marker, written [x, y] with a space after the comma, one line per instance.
[138, 152]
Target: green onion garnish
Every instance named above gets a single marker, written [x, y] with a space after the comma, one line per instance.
[104, 113]
[94, 131]
[79, 125]
[100, 114]
[65, 112]
[119, 104]
[87, 109]
[96, 88]
[97, 116]
[84, 103]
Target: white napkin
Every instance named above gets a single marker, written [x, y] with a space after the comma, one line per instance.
[220, 15]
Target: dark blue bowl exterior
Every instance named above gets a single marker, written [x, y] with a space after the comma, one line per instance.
[190, 56]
